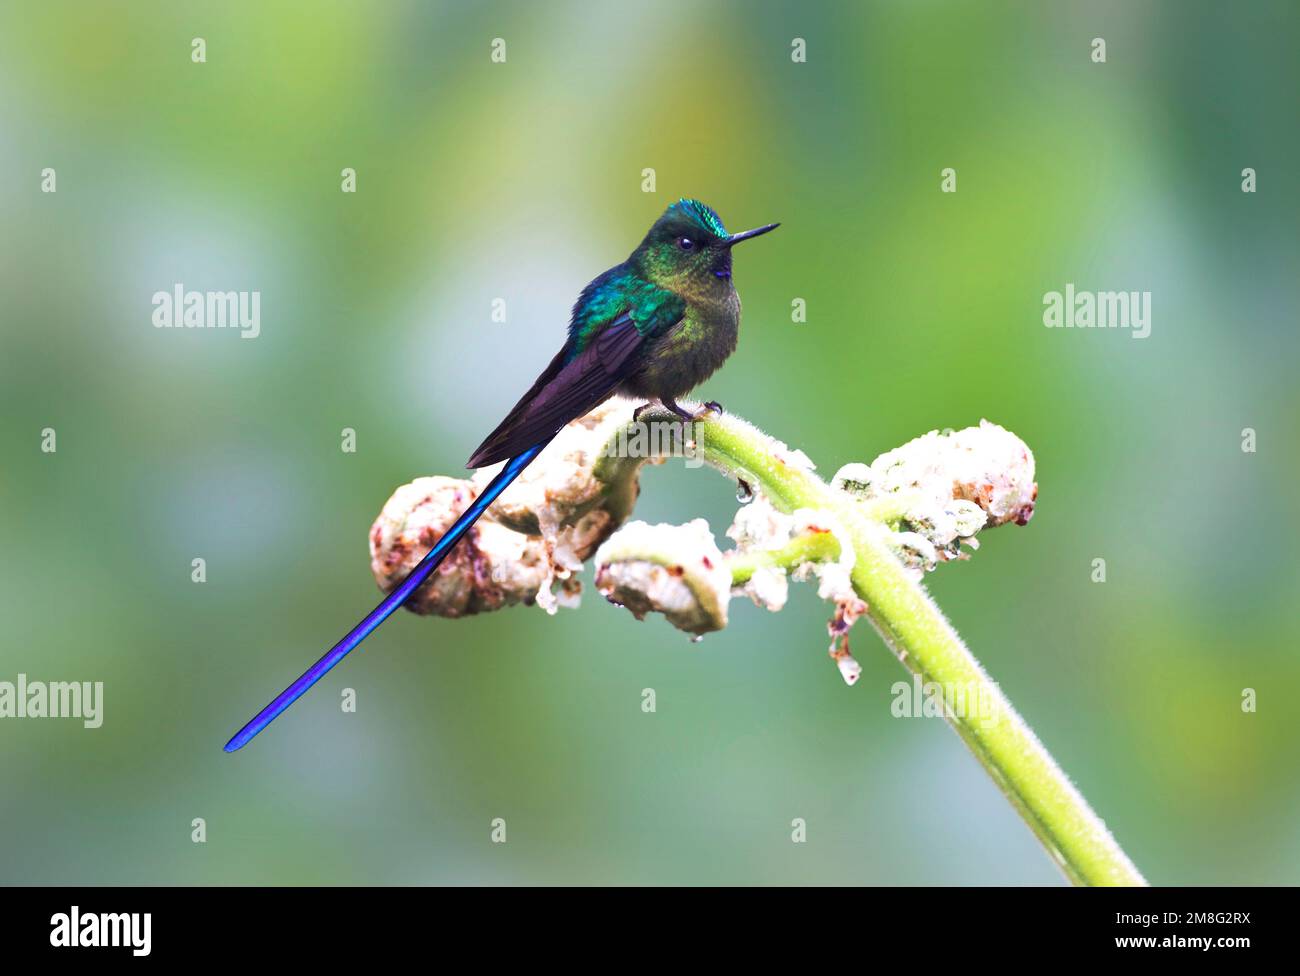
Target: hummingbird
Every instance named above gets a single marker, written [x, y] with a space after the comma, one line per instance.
[651, 328]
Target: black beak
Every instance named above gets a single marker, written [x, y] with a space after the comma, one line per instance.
[745, 235]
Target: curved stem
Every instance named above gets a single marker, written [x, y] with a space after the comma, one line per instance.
[918, 633]
[806, 548]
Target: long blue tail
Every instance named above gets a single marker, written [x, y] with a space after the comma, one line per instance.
[514, 467]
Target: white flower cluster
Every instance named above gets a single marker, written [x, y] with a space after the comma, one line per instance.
[942, 488]
[676, 570]
[929, 497]
[529, 545]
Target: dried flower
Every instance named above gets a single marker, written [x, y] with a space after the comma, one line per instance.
[676, 570]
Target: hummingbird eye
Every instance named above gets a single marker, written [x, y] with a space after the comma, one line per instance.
[686, 244]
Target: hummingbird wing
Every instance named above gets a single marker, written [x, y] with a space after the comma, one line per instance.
[572, 385]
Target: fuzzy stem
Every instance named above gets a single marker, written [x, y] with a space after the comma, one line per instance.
[912, 625]
[809, 547]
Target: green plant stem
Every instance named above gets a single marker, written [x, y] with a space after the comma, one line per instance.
[807, 548]
[914, 628]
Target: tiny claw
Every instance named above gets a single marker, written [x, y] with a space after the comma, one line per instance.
[636, 414]
[678, 409]
[712, 406]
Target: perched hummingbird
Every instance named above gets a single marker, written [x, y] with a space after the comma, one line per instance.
[653, 328]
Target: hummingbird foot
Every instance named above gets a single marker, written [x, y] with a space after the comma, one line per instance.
[711, 406]
[636, 414]
[677, 408]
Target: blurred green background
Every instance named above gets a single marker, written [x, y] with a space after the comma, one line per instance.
[522, 180]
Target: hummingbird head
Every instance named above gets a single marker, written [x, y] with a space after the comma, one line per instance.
[688, 249]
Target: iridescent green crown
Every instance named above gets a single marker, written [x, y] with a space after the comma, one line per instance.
[703, 214]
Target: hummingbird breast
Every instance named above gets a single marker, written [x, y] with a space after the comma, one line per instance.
[690, 352]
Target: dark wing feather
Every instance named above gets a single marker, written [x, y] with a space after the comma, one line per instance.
[565, 391]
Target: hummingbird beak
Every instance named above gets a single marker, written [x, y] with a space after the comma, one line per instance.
[745, 235]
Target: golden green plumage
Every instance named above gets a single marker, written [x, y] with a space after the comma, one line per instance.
[654, 327]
